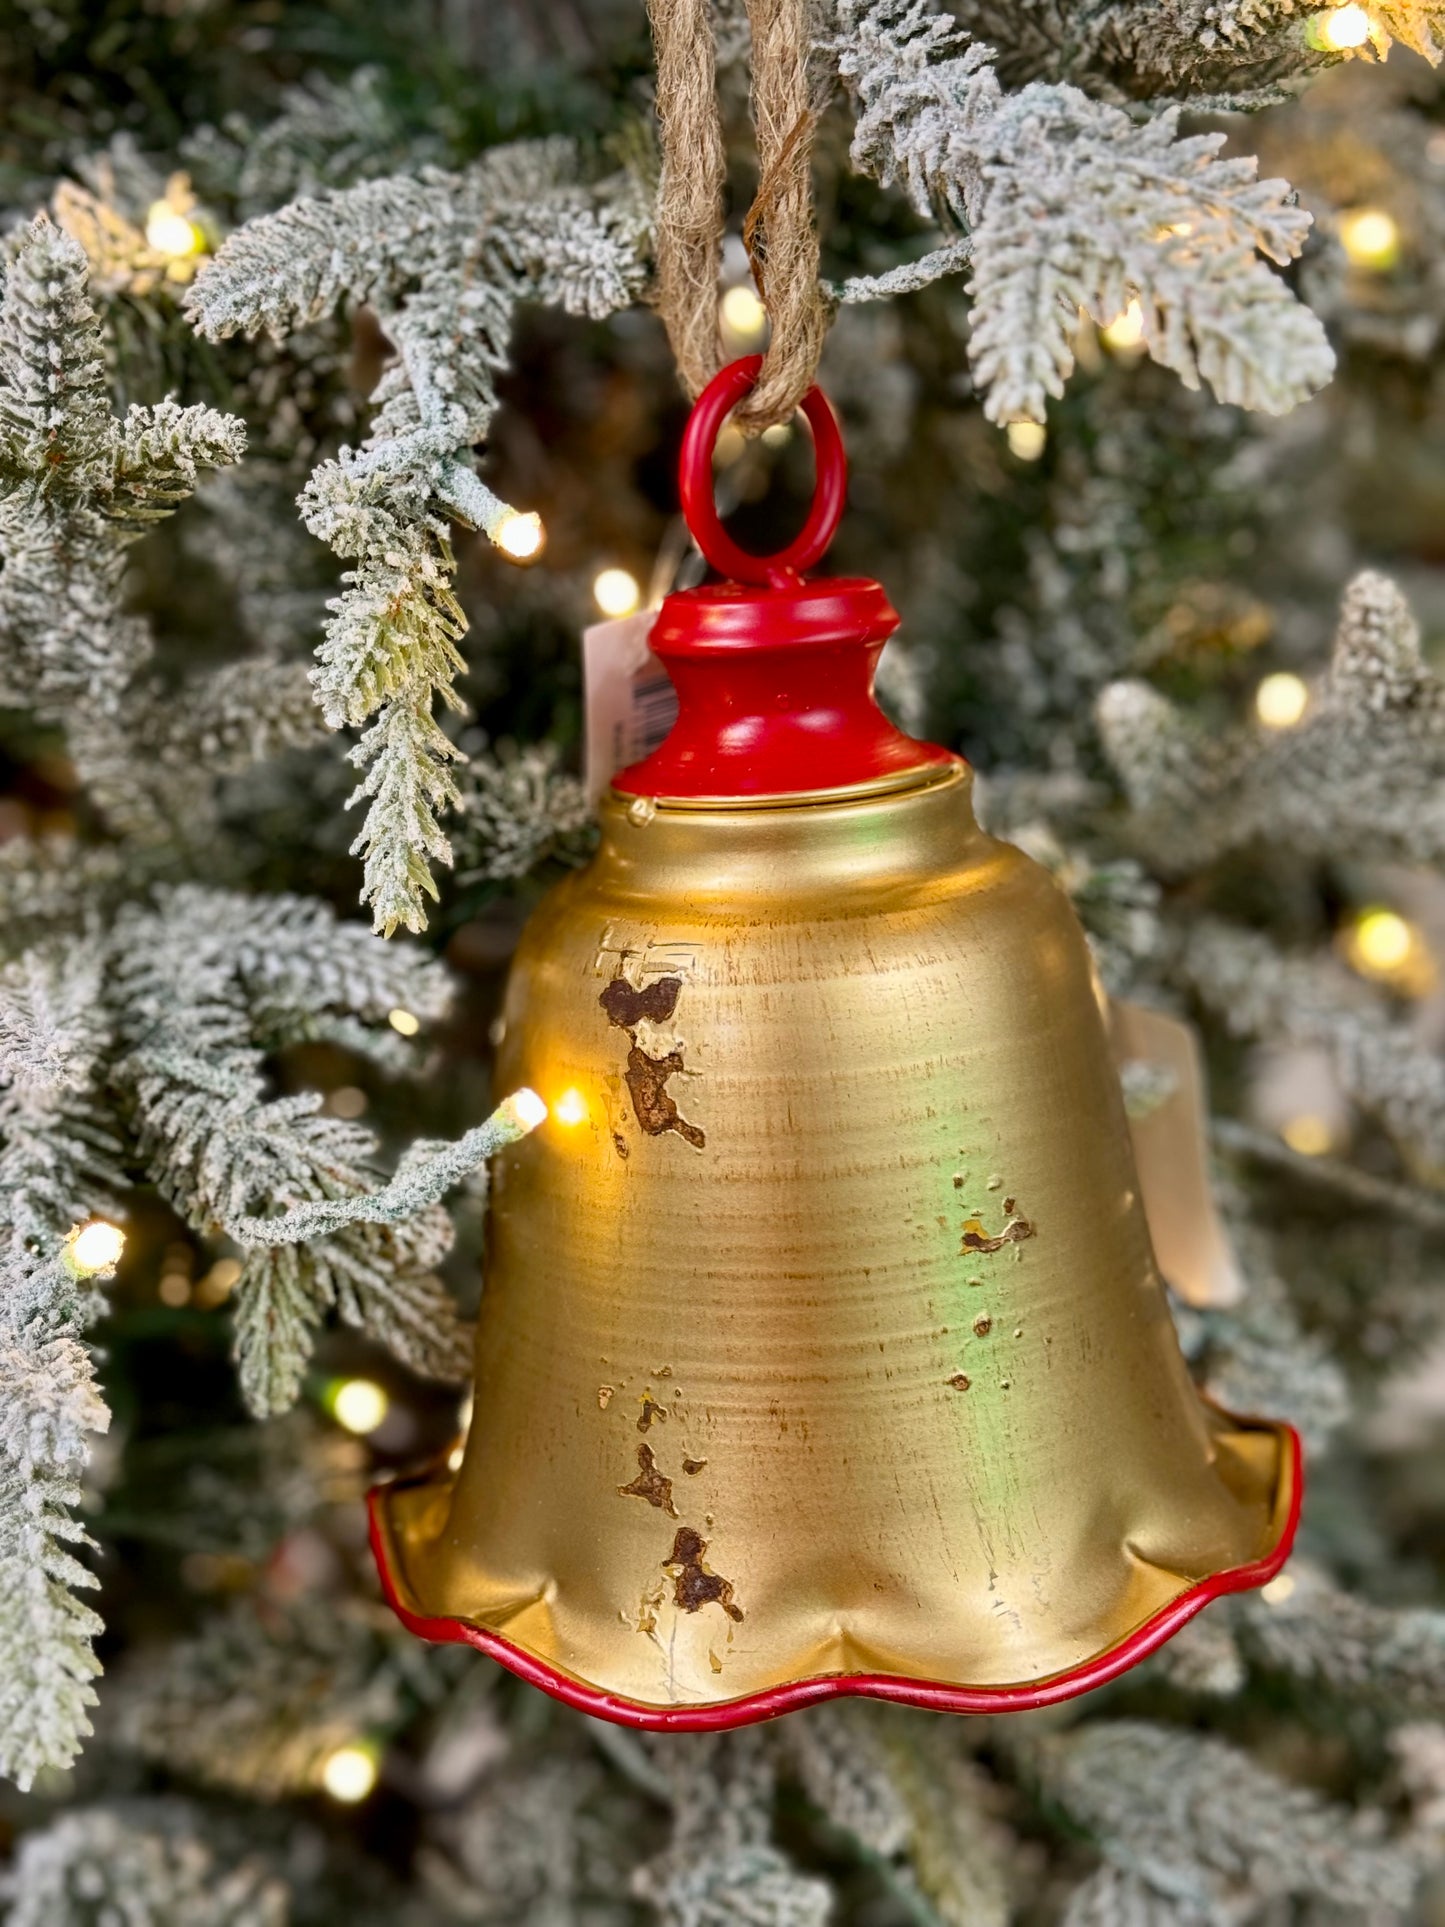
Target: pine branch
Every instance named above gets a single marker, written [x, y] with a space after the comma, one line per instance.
[445, 259]
[95, 1865]
[77, 486]
[202, 986]
[1258, 992]
[1072, 206]
[1363, 773]
[1348, 1648]
[1196, 1820]
[261, 1696]
[57, 1162]
[519, 809]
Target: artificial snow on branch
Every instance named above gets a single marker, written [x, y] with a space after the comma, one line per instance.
[97, 1865]
[58, 1160]
[1195, 1820]
[79, 486]
[1214, 53]
[445, 260]
[1363, 773]
[1072, 206]
[1258, 991]
[201, 986]
[260, 1697]
[520, 808]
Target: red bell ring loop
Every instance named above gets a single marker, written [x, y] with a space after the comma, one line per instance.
[713, 406]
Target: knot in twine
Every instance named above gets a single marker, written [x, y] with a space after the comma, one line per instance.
[779, 233]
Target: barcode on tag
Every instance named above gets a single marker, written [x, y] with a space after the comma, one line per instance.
[631, 704]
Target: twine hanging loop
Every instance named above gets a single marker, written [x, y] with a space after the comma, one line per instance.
[779, 233]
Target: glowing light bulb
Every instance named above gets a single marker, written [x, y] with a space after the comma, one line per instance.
[615, 592]
[95, 1247]
[1281, 700]
[169, 232]
[525, 1108]
[1309, 1135]
[743, 314]
[403, 1022]
[1126, 330]
[349, 1773]
[1382, 941]
[1279, 1589]
[360, 1405]
[520, 537]
[571, 1107]
[1370, 237]
[1340, 29]
[1026, 440]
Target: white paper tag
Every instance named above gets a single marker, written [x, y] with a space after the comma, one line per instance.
[631, 703]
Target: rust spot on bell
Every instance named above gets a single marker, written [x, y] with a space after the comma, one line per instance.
[650, 1484]
[693, 1585]
[975, 1238]
[960, 1381]
[650, 1410]
[982, 1325]
[653, 1105]
[619, 1144]
[626, 1006]
[691, 1466]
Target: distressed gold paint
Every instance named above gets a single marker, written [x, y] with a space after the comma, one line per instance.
[873, 999]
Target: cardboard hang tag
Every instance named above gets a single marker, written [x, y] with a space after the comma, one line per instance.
[1171, 1155]
[631, 703]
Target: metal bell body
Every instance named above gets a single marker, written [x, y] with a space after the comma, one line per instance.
[824, 1350]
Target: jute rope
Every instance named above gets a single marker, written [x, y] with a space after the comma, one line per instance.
[779, 232]
[690, 192]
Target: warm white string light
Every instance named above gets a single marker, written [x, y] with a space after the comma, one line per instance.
[521, 536]
[95, 1247]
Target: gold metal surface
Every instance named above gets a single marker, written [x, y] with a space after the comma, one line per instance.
[828, 1339]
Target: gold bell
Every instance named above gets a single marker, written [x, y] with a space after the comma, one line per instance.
[822, 1348]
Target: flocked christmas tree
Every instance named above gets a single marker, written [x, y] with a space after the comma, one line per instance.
[1146, 446]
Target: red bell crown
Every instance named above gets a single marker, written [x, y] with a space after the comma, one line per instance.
[774, 673]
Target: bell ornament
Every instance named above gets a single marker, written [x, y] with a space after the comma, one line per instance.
[822, 1347]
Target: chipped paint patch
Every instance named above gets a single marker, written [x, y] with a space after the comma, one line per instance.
[627, 1006]
[960, 1381]
[653, 1105]
[605, 1394]
[650, 1483]
[693, 1466]
[650, 1410]
[693, 1585]
[1017, 1229]
[647, 1607]
[656, 1054]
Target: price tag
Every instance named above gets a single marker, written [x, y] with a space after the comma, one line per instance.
[631, 703]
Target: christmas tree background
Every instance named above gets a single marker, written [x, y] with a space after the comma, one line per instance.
[306, 310]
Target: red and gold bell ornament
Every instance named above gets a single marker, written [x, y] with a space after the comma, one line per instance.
[822, 1348]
